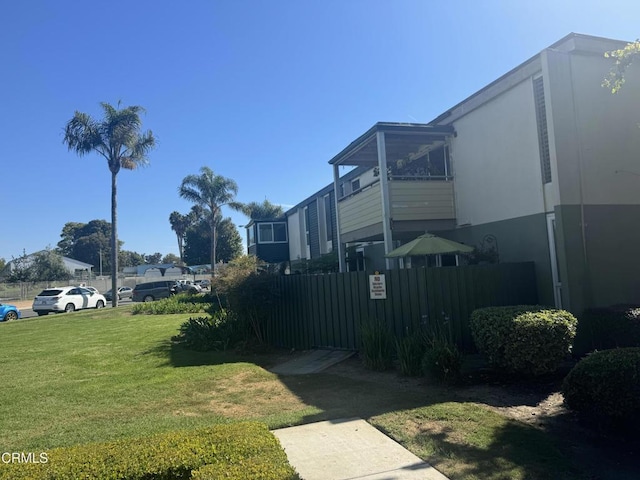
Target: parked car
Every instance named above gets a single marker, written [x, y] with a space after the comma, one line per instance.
[66, 299]
[123, 292]
[9, 312]
[204, 284]
[187, 286]
[150, 291]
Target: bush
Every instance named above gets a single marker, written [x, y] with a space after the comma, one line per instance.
[606, 383]
[165, 456]
[181, 303]
[410, 351]
[442, 358]
[377, 345]
[217, 332]
[523, 339]
[606, 328]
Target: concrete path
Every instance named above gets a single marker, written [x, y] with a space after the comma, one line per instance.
[312, 362]
[348, 450]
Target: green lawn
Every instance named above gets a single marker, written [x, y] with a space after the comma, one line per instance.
[102, 375]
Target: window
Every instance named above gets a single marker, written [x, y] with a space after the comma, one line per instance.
[355, 185]
[543, 134]
[251, 232]
[272, 232]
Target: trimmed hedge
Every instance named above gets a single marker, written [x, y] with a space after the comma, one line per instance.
[524, 339]
[606, 383]
[167, 456]
[606, 328]
[181, 303]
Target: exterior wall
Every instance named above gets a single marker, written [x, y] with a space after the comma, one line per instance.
[496, 161]
[361, 210]
[293, 225]
[314, 229]
[421, 200]
[522, 239]
[595, 145]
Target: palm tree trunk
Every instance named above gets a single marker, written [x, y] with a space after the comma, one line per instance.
[114, 242]
[213, 248]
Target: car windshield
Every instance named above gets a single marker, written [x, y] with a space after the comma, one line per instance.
[49, 293]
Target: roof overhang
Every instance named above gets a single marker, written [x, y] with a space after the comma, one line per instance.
[402, 140]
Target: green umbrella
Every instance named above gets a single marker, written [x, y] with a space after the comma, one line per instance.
[429, 244]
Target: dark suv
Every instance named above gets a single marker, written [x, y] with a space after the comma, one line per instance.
[148, 292]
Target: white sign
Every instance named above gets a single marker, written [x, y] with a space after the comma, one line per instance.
[377, 287]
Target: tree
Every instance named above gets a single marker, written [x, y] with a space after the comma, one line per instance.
[171, 258]
[262, 211]
[48, 266]
[118, 139]
[21, 269]
[211, 192]
[127, 258]
[198, 242]
[179, 224]
[624, 58]
[88, 242]
[153, 259]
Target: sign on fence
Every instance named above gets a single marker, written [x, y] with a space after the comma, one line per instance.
[377, 287]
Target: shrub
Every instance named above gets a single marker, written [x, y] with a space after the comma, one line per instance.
[165, 456]
[217, 332]
[377, 345]
[442, 358]
[606, 383]
[606, 328]
[181, 303]
[250, 291]
[410, 351]
[523, 339]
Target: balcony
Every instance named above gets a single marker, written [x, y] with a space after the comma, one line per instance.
[417, 204]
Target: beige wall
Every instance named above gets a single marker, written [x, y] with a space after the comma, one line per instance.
[595, 133]
[496, 161]
[426, 200]
[361, 210]
[293, 226]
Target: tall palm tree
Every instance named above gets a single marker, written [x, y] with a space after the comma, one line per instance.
[262, 211]
[210, 192]
[118, 139]
[179, 224]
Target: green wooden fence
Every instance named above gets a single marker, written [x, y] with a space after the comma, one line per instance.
[327, 310]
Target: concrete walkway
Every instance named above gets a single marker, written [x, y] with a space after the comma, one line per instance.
[314, 361]
[348, 450]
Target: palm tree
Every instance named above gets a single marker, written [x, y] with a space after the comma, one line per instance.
[210, 192]
[179, 224]
[118, 139]
[262, 211]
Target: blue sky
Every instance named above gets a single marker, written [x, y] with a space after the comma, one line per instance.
[263, 92]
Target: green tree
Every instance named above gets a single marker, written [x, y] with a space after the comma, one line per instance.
[624, 57]
[262, 211]
[117, 138]
[198, 242]
[21, 269]
[179, 224]
[69, 236]
[171, 258]
[48, 266]
[128, 258]
[210, 192]
[153, 259]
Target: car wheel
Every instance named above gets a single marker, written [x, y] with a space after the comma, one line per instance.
[70, 307]
[11, 316]
[99, 304]
[148, 298]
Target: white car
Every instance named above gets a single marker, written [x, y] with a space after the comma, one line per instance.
[66, 299]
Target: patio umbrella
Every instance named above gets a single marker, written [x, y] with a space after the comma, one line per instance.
[429, 244]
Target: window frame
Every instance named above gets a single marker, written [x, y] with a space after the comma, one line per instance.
[273, 232]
